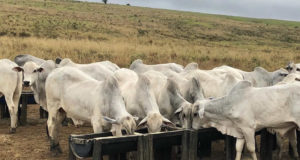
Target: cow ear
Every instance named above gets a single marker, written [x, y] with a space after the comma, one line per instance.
[58, 60]
[143, 123]
[297, 79]
[283, 74]
[40, 69]
[109, 120]
[18, 69]
[168, 123]
[178, 111]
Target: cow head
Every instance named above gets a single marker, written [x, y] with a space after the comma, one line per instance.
[31, 71]
[154, 122]
[292, 67]
[184, 113]
[127, 123]
[171, 98]
[279, 75]
[198, 114]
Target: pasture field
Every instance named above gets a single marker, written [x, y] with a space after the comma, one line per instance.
[88, 32]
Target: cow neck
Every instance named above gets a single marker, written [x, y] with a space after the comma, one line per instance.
[217, 108]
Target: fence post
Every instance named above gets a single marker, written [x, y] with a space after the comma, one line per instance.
[230, 147]
[193, 143]
[185, 145]
[266, 145]
[97, 150]
[23, 117]
[140, 148]
[145, 147]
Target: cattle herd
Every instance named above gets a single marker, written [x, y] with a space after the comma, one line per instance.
[235, 102]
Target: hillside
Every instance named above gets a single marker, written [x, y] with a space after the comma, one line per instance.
[88, 32]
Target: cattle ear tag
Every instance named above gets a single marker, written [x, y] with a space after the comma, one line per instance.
[109, 120]
[297, 79]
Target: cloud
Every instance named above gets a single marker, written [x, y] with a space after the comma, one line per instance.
[274, 9]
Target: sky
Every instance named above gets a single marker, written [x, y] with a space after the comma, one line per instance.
[270, 9]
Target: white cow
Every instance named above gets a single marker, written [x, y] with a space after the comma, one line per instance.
[11, 88]
[289, 79]
[171, 103]
[216, 82]
[35, 76]
[71, 91]
[247, 109]
[87, 67]
[139, 67]
[140, 100]
[293, 68]
[260, 77]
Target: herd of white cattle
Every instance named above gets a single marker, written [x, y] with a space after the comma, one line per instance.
[235, 102]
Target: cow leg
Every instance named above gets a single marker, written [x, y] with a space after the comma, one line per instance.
[13, 111]
[250, 142]
[54, 122]
[293, 141]
[97, 125]
[239, 148]
[279, 140]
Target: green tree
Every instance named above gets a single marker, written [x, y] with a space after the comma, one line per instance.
[104, 1]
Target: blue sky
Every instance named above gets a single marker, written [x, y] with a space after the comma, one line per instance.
[272, 9]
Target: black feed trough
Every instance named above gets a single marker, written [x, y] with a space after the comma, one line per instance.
[159, 145]
[82, 145]
[146, 146]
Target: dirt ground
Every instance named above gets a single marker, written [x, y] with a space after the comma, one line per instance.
[30, 141]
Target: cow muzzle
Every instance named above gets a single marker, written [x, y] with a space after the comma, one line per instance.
[26, 83]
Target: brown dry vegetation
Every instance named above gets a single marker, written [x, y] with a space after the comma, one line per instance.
[88, 32]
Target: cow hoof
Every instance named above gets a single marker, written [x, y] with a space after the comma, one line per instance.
[55, 150]
[55, 153]
[12, 130]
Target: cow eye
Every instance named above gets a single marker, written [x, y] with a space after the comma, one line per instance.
[34, 71]
[183, 115]
[298, 69]
[195, 114]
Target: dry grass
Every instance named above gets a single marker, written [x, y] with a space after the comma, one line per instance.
[88, 32]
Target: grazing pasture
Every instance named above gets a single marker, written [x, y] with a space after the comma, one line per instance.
[92, 32]
[88, 32]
